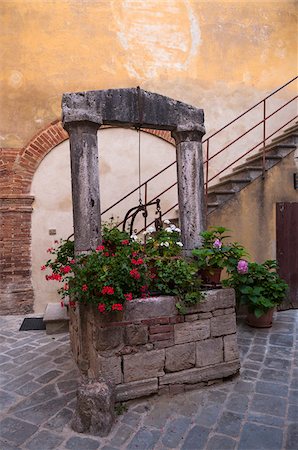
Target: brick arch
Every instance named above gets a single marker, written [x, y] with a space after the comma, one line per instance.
[48, 138]
[17, 168]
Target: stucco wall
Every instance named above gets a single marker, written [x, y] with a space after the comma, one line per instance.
[222, 56]
[118, 161]
[251, 213]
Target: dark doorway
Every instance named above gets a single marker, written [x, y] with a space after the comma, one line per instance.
[287, 250]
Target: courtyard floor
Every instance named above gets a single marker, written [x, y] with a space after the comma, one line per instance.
[254, 411]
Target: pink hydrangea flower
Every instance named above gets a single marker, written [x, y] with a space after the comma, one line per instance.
[242, 266]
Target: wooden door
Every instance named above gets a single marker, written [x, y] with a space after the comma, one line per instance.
[287, 250]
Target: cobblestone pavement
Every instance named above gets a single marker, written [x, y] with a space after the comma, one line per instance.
[257, 410]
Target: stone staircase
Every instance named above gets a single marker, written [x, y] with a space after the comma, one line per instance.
[247, 172]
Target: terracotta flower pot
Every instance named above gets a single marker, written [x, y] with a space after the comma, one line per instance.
[265, 321]
[211, 275]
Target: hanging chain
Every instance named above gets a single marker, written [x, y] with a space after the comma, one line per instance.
[140, 191]
[138, 127]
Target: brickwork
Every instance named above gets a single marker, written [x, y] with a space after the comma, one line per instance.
[162, 353]
[17, 167]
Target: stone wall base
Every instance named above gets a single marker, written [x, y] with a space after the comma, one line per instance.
[150, 348]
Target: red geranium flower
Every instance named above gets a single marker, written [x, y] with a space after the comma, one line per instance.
[135, 274]
[101, 307]
[72, 261]
[66, 269]
[137, 262]
[128, 296]
[125, 242]
[107, 290]
[84, 287]
[100, 248]
[117, 307]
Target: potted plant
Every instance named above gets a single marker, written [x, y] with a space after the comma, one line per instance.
[215, 255]
[260, 288]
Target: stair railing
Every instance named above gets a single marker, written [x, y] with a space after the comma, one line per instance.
[209, 157]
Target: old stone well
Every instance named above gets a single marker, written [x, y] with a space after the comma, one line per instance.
[148, 347]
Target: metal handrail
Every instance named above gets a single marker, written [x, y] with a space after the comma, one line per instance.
[207, 141]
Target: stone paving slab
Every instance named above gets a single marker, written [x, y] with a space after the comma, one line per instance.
[257, 410]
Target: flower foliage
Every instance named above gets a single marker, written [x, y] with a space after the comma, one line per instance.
[216, 253]
[124, 268]
[258, 286]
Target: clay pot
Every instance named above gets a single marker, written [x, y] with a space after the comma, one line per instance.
[265, 321]
[211, 275]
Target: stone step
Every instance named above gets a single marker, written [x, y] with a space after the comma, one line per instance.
[220, 196]
[257, 161]
[247, 172]
[56, 318]
[233, 185]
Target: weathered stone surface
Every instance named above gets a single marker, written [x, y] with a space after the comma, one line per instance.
[150, 307]
[191, 317]
[136, 334]
[85, 185]
[120, 106]
[196, 375]
[215, 299]
[191, 331]
[204, 315]
[180, 357]
[190, 187]
[223, 325]
[142, 366]
[231, 347]
[209, 352]
[56, 327]
[110, 369]
[107, 338]
[218, 312]
[136, 389]
[94, 409]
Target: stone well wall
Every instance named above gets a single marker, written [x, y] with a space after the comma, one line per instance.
[151, 348]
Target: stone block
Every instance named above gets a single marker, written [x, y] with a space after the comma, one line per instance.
[110, 369]
[191, 331]
[57, 326]
[215, 299]
[197, 375]
[156, 329]
[150, 308]
[231, 347]
[144, 365]
[180, 357]
[108, 338]
[191, 317]
[177, 319]
[164, 344]
[136, 334]
[209, 352]
[218, 312]
[161, 337]
[204, 315]
[56, 319]
[223, 325]
[176, 389]
[94, 409]
[136, 389]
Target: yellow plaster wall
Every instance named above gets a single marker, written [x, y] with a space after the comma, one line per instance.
[220, 55]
